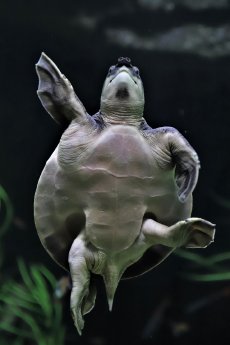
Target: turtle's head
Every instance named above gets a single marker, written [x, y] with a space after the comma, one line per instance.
[122, 98]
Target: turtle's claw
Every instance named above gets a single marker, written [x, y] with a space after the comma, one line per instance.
[89, 300]
[76, 308]
[78, 319]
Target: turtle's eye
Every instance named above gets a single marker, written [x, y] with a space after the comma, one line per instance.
[136, 71]
[111, 70]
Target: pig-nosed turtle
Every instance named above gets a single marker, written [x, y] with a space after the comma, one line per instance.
[115, 197]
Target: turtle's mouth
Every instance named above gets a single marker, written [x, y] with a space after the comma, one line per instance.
[125, 71]
[122, 93]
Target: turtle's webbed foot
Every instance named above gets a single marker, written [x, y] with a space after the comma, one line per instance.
[200, 232]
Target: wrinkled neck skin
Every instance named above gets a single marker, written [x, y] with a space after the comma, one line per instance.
[123, 113]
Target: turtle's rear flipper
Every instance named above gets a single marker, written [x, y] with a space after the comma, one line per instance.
[57, 94]
[83, 294]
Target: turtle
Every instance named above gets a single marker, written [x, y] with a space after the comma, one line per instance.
[115, 197]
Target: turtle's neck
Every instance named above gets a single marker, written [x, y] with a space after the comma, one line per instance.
[122, 113]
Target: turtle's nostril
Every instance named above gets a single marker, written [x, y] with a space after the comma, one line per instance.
[124, 61]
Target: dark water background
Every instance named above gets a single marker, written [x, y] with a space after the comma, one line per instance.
[183, 51]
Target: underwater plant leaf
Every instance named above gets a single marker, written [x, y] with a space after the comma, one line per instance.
[8, 211]
[21, 292]
[32, 305]
[16, 331]
[57, 314]
[37, 286]
[12, 300]
[189, 255]
[29, 320]
[6, 315]
[210, 277]
[1, 255]
[48, 275]
[25, 275]
[60, 337]
[222, 201]
[218, 258]
[207, 262]
[42, 292]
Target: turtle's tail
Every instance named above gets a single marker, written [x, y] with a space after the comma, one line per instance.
[111, 276]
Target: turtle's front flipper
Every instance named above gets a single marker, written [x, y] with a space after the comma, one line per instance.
[83, 294]
[191, 233]
[186, 161]
[57, 94]
[200, 232]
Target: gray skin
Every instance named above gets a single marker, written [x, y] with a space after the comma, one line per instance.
[114, 189]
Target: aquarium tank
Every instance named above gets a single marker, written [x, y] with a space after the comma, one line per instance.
[182, 50]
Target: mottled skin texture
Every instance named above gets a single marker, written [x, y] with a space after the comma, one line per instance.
[114, 188]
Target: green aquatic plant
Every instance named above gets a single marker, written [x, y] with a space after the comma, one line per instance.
[29, 310]
[214, 266]
[6, 217]
[6, 208]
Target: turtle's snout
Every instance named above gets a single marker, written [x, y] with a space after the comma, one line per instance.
[124, 61]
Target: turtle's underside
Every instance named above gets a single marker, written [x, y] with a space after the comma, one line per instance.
[115, 197]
